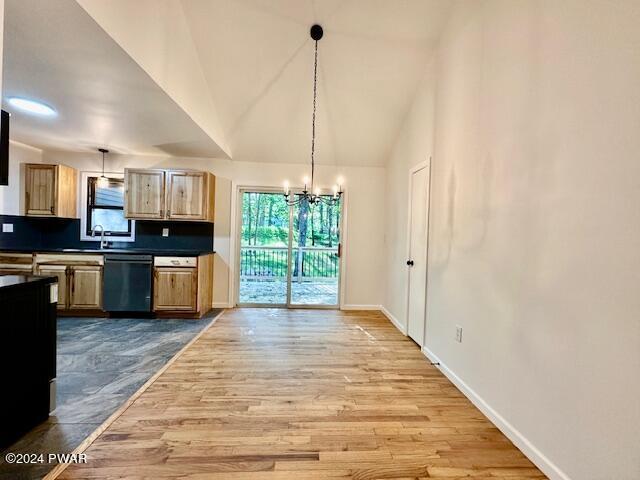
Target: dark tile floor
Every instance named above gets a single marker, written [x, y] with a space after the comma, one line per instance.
[101, 363]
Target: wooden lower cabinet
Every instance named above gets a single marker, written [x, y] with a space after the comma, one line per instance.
[175, 288]
[85, 287]
[79, 280]
[60, 272]
[183, 284]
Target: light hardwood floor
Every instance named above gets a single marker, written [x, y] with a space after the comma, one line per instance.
[302, 394]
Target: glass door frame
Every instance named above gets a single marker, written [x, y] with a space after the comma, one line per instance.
[333, 306]
[241, 190]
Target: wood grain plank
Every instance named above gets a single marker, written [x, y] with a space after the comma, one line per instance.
[288, 394]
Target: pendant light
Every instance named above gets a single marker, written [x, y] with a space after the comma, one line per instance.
[312, 194]
[103, 181]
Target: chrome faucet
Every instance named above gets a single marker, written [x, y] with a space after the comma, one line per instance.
[103, 243]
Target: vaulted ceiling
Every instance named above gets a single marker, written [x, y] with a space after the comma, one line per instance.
[257, 58]
[56, 53]
[235, 76]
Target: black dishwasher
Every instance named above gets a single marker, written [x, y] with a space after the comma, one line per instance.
[127, 283]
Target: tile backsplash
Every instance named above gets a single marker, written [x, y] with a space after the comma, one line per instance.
[31, 233]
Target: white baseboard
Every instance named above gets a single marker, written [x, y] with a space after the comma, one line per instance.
[394, 320]
[221, 305]
[360, 307]
[550, 469]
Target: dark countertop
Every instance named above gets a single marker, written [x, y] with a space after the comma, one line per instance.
[104, 251]
[16, 280]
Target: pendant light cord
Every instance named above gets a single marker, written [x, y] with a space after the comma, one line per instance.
[313, 119]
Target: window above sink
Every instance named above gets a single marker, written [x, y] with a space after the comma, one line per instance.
[103, 206]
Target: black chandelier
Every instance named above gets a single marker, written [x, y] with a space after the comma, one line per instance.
[310, 194]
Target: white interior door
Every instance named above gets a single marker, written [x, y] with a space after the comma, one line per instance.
[417, 261]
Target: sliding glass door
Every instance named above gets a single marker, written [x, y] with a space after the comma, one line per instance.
[264, 249]
[289, 256]
[315, 270]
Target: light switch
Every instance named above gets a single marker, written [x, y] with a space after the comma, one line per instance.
[165, 232]
[7, 228]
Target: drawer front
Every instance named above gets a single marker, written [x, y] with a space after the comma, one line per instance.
[16, 261]
[175, 261]
[12, 270]
[68, 259]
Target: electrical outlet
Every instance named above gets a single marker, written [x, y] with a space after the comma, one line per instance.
[165, 232]
[7, 228]
[458, 334]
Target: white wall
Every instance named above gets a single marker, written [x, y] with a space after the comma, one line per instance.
[11, 199]
[535, 225]
[363, 246]
[413, 146]
[364, 265]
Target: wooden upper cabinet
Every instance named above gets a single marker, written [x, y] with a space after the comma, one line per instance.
[144, 193]
[40, 190]
[50, 190]
[210, 197]
[187, 194]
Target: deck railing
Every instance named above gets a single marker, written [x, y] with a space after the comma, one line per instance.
[271, 262]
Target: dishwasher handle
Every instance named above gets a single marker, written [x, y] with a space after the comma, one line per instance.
[144, 259]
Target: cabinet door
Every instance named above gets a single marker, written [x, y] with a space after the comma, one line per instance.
[175, 289]
[85, 285]
[186, 194]
[59, 271]
[40, 189]
[66, 199]
[144, 193]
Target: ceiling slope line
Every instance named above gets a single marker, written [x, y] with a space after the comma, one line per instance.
[165, 50]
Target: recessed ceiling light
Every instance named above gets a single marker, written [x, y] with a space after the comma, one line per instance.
[32, 106]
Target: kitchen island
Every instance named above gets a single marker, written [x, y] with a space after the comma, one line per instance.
[27, 352]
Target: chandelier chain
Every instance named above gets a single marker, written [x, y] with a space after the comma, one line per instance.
[309, 196]
[313, 118]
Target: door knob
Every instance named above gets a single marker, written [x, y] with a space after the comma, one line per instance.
[410, 263]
